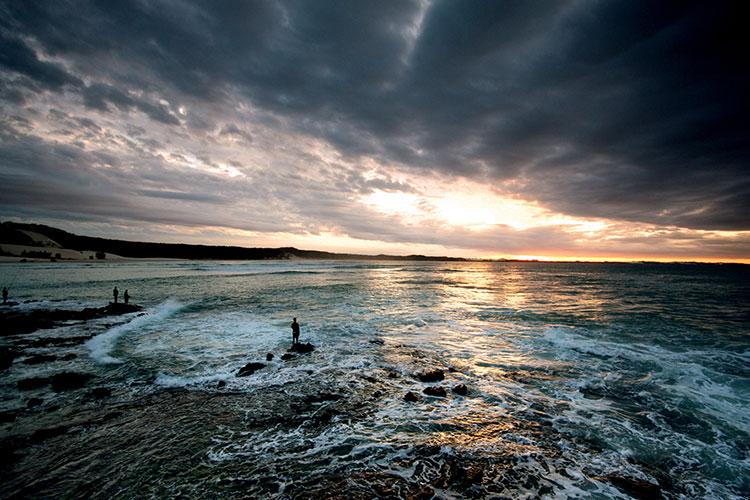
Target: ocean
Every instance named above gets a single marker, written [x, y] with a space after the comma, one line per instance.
[582, 380]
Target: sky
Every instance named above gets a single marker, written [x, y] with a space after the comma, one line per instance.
[600, 130]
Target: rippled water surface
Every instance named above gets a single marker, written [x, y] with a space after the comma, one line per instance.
[588, 380]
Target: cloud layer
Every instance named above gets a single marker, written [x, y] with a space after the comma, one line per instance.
[279, 117]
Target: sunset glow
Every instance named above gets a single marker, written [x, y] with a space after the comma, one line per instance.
[374, 156]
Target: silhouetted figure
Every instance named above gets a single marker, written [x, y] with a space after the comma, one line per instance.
[5, 295]
[295, 331]
[126, 297]
[115, 294]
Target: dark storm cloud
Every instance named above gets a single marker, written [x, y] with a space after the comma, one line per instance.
[624, 110]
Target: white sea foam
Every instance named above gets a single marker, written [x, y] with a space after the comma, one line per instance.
[101, 346]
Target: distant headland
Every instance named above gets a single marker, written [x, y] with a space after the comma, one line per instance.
[40, 242]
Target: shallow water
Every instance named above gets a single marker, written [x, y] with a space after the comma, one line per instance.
[578, 374]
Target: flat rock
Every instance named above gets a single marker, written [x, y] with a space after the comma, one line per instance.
[69, 380]
[437, 392]
[431, 376]
[249, 369]
[100, 392]
[39, 358]
[287, 356]
[15, 322]
[269, 356]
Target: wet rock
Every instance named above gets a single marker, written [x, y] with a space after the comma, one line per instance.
[393, 375]
[59, 341]
[269, 356]
[48, 432]
[370, 378]
[69, 380]
[323, 396]
[377, 341]
[425, 493]
[29, 384]
[635, 487]
[437, 392]
[221, 384]
[461, 389]
[431, 376]
[411, 397]
[34, 402]
[8, 416]
[15, 322]
[6, 358]
[249, 369]
[287, 356]
[302, 348]
[100, 392]
[39, 359]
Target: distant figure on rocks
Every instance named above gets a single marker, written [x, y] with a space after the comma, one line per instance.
[126, 297]
[115, 294]
[295, 331]
[5, 295]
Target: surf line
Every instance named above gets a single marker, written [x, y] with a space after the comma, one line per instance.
[101, 346]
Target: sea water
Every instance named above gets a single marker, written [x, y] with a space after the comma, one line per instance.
[584, 380]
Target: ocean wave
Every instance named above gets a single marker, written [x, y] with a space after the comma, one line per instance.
[101, 346]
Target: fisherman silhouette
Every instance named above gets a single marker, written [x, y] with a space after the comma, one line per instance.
[126, 297]
[115, 293]
[5, 295]
[295, 331]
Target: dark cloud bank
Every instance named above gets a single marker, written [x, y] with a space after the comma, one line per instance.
[622, 110]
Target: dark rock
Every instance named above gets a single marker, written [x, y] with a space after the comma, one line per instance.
[221, 384]
[49, 432]
[39, 358]
[461, 389]
[287, 356]
[69, 380]
[411, 397]
[377, 341]
[15, 322]
[32, 383]
[393, 375]
[425, 493]
[269, 356]
[100, 392]
[438, 392]
[635, 487]
[6, 357]
[370, 378]
[59, 341]
[323, 396]
[8, 416]
[431, 376]
[249, 369]
[308, 347]
[31, 403]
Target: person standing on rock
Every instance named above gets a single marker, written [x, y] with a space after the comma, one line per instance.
[5, 295]
[295, 331]
[126, 297]
[115, 294]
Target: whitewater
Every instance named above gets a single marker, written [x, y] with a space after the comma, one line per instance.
[583, 380]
